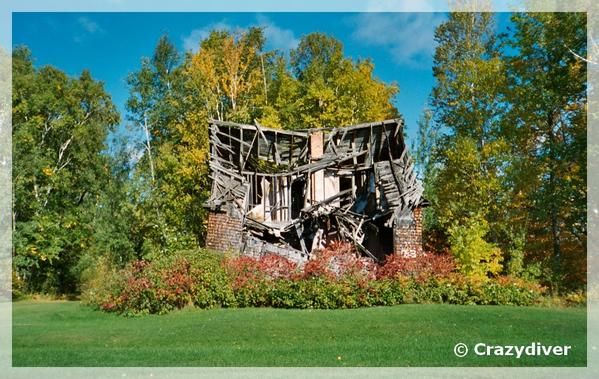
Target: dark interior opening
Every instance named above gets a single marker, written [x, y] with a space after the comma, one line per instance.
[379, 239]
[297, 197]
[345, 183]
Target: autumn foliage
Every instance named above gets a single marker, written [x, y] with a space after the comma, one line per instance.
[336, 277]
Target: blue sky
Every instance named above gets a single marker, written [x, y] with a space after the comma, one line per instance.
[111, 45]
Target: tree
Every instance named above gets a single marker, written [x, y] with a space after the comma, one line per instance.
[468, 94]
[231, 77]
[333, 90]
[468, 101]
[152, 96]
[228, 75]
[548, 128]
[425, 150]
[474, 256]
[513, 155]
[156, 106]
[59, 127]
[281, 107]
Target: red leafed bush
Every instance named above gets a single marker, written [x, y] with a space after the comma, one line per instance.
[241, 270]
[149, 287]
[172, 282]
[338, 260]
[277, 267]
[335, 277]
[421, 266]
[245, 269]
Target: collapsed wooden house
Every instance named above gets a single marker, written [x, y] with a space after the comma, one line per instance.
[291, 192]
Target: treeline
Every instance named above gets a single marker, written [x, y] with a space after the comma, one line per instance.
[502, 149]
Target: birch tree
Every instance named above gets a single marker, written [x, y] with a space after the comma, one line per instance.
[59, 128]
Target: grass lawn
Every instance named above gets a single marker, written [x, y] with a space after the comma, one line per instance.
[69, 334]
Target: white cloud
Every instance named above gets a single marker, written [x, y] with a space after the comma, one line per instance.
[276, 37]
[408, 37]
[192, 41]
[89, 26]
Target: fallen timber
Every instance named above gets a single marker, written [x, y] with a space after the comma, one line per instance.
[292, 192]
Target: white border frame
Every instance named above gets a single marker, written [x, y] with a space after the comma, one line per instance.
[9, 6]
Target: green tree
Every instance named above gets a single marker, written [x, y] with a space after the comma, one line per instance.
[114, 235]
[425, 149]
[513, 155]
[59, 128]
[333, 90]
[156, 106]
[474, 256]
[281, 107]
[547, 126]
[468, 102]
[153, 96]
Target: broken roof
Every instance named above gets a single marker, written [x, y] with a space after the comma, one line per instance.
[290, 188]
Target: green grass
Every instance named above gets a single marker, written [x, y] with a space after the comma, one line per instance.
[69, 334]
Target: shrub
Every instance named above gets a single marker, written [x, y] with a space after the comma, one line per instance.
[18, 286]
[459, 289]
[252, 278]
[101, 282]
[322, 293]
[576, 298]
[211, 284]
[474, 255]
[271, 266]
[339, 260]
[384, 292]
[336, 278]
[173, 282]
[423, 266]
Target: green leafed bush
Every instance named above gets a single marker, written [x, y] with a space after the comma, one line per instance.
[188, 278]
[474, 255]
[203, 279]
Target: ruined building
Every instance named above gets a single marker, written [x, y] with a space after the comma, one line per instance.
[291, 192]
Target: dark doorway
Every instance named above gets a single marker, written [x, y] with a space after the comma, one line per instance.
[298, 197]
[379, 239]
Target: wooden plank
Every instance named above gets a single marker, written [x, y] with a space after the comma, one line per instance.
[249, 152]
[253, 127]
[233, 138]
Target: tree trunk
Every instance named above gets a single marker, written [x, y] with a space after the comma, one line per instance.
[149, 148]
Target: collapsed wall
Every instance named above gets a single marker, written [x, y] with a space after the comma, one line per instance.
[292, 192]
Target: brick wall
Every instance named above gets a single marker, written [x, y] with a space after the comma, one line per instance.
[407, 240]
[224, 232]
